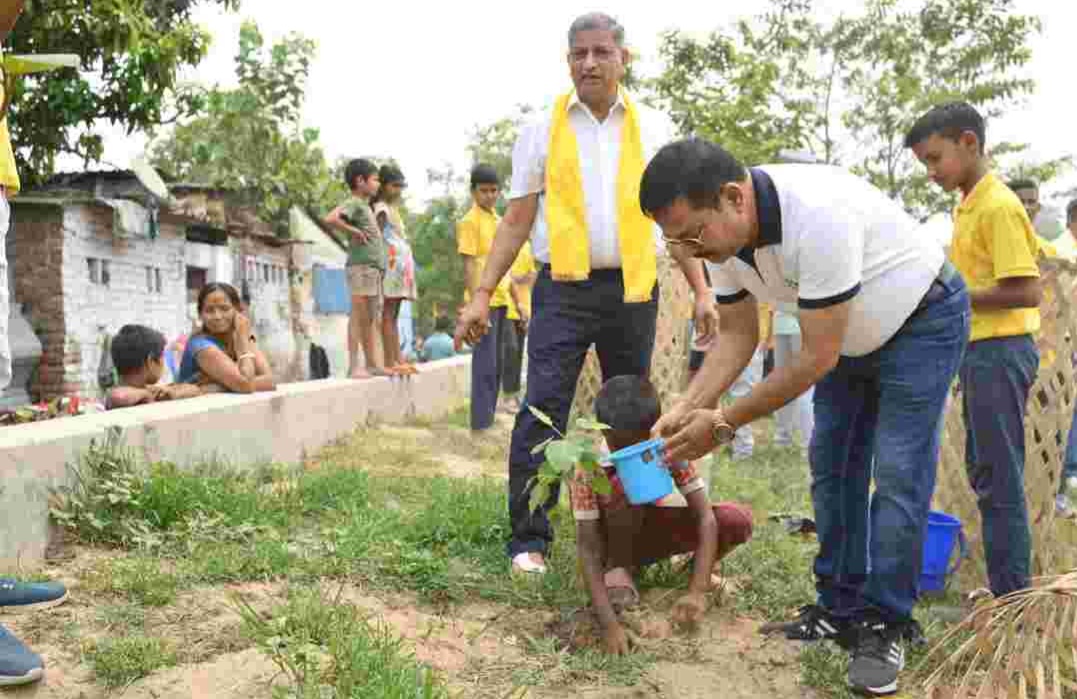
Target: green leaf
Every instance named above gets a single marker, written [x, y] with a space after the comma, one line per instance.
[540, 493]
[548, 473]
[563, 455]
[600, 483]
[586, 423]
[543, 418]
[539, 447]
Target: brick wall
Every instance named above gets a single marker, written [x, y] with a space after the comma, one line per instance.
[135, 263]
[35, 246]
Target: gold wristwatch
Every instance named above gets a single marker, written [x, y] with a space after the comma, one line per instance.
[722, 430]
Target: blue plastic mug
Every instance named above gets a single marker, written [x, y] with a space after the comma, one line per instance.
[642, 472]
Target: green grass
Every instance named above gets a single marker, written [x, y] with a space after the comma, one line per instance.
[141, 579]
[774, 570]
[119, 662]
[392, 530]
[318, 642]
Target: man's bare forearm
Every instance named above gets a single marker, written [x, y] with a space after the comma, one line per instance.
[693, 273]
[512, 233]
[725, 361]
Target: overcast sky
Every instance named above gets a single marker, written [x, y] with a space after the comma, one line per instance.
[413, 79]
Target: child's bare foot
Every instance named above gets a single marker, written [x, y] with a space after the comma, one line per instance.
[621, 589]
[360, 374]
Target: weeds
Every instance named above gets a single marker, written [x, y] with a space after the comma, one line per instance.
[143, 581]
[119, 662]
[325, 648]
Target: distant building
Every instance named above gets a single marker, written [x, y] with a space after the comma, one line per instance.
[93, 251]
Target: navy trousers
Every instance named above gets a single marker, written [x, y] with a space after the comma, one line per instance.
[486, 361]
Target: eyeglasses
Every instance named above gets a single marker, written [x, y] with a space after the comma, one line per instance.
[696, 241]
[602, 54]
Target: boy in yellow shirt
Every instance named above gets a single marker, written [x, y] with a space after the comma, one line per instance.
[995, 249]
[474, 236]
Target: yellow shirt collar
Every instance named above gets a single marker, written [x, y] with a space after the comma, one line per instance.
[982, 189]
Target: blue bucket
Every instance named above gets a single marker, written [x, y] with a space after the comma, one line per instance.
[943, 531]
[642, 472]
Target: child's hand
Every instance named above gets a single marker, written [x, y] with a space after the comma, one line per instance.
[615, 640]
[688, 612]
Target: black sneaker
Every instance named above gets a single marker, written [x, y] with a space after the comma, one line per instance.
[878, 657]
[913, 634]
[812, 623]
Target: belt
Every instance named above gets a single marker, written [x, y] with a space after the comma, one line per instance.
[548, 269]
[939, 288]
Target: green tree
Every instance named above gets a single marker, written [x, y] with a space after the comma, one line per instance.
[848, 89]
[251, 140]
[492, 144]
[131, 52]
[906, 61]
[441, 270]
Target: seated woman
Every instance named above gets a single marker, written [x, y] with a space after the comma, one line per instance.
[224, 356]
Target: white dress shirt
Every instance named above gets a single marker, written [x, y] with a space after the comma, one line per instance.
[600, 158]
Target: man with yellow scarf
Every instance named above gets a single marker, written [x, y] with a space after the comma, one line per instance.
[575, 192]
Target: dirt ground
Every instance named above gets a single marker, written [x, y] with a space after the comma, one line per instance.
[483, 650]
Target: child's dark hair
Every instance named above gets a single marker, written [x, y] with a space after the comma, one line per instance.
[443, 324]
[484, 174]
[1071, 212]
[1023, 184]
[360, 167]
[948, 120]
[227, 289]
[628, 403]
[134, 345]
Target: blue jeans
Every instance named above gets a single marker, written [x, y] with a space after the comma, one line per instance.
[486, 366]
[881, 415]
[1069, 466]
[996, 377]
[567, 318]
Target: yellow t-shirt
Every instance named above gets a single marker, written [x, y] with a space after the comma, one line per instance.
[9, 176]
[993, 240]
[523, 266]
[474, 236]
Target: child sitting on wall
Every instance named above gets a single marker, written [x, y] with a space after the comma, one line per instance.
[137, 354]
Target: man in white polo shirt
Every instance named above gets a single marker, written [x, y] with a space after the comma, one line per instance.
[884, 319]
[576, 170]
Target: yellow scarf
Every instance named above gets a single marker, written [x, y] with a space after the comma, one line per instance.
[566, 211]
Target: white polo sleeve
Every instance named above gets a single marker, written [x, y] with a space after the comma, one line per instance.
[830, 260]
[727, 288]
[529, 157]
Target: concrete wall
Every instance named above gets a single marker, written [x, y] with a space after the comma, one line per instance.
[281, 426]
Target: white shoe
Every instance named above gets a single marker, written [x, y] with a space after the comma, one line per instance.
[524, 563]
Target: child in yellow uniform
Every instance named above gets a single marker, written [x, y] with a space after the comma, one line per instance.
[995, 248]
